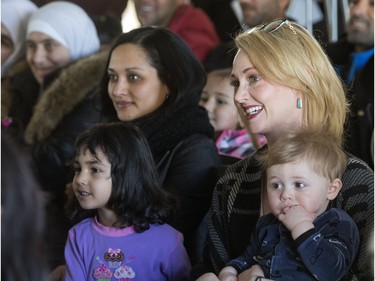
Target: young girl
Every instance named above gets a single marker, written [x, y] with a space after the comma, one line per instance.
[230, 135]
[124, 235]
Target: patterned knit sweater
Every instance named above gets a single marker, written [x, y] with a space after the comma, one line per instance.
[236, 204]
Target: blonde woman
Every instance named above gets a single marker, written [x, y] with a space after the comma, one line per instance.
[283, 81]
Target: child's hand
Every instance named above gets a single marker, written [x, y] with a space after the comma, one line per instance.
[297, 220]
[228, 273]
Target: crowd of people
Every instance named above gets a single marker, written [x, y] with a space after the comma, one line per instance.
[186, 149]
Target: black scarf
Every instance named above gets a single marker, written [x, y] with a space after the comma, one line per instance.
[166, 129]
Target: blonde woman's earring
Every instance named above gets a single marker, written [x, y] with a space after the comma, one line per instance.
[299, 103]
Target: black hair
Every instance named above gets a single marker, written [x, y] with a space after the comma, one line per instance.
[221, 57]
[22, 218]
[108, 28]
[137, 196]
[177, 66]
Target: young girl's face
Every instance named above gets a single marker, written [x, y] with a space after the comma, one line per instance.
[294, 184]
[217, 99]
[92, 183]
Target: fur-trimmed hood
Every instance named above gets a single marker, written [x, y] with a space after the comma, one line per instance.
[71, 86]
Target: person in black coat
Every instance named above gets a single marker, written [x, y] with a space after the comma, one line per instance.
[154, 80]
[353, 58]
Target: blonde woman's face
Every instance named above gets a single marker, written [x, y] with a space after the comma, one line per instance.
[134, 86]
[217, 99]
[45, 55]
[270, 109]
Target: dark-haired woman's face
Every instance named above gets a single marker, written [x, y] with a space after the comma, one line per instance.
[134, 86]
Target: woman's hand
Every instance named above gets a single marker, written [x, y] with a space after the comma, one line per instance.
[252, 273]
[208, 277]
[228, 273]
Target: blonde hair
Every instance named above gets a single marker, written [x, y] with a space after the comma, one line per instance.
[320, 149]
[286, 53]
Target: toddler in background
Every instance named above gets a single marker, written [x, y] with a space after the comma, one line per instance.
[230, 135]
[117, 192]
[302, 238]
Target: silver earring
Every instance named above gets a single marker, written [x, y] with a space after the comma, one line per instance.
[299, 103]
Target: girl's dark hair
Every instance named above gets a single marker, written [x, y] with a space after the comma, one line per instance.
[177, 66]
[22, 218]
[137, 196]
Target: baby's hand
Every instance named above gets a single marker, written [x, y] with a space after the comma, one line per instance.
[297, 220]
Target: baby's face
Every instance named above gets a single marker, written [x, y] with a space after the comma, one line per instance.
[295, 183]
[217, 99]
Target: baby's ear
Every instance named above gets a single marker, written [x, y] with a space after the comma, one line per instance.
[334, 189]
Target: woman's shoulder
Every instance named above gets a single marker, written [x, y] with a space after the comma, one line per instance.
[357, 172]
[355, 162]
[197, 144]
[248, 165]
[197, 139]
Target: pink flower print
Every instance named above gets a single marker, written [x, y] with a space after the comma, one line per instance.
[102, 272]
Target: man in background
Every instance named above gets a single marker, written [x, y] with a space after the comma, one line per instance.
[353, 58]
[256, 12]
[180, 16]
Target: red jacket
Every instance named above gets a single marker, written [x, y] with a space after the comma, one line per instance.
[193, 25]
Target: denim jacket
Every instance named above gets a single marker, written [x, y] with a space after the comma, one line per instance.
[325, 252]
